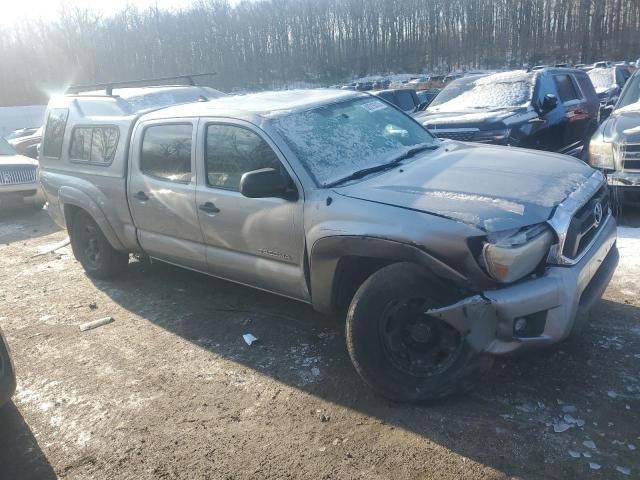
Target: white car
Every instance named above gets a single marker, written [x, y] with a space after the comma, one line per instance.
[18, 178]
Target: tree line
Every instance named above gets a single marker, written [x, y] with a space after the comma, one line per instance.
[271, 43]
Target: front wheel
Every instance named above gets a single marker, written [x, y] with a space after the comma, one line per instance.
[91, 248]
[402, 353]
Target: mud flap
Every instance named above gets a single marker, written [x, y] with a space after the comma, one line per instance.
[474, 318]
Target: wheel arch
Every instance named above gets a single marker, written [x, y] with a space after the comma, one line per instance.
[74, 201]
[340, 264]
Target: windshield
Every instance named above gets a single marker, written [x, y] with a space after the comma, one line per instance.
[501, 90]
[5, 148]
[602, 78]
[334, 141]
[630, 97]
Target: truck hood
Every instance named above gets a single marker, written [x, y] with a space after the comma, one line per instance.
[16, 160]
[434, 119]
[493, 188]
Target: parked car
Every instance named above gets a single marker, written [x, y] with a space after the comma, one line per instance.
[21, 132]
[28, 145]
[551, 109]
[7, 372]
[18, 178]
[440, 253]
[608, 82]
[405, 99]
[615, 147]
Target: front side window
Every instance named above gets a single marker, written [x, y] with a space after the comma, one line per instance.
[54, 132]
[566, 88]
[405, 100]
[630, 98]
[166, 152]
[337, 140]
[94, 144]
[232, 151]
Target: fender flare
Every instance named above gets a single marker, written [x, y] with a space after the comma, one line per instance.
[79, 199]
[327, 252]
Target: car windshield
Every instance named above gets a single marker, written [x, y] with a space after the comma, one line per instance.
[602, 78]
[5, 148]
[501, 90]
[334, 141]
[630, 98]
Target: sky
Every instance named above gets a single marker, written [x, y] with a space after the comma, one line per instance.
[13, 11]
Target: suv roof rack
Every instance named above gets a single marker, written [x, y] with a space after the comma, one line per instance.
[147, 82]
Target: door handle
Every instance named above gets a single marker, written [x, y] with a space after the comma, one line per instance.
[141, 196]
[209, 207]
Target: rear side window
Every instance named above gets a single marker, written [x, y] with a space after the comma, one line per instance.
[231, 152]
[405, 101]
[54, 132]
[586, 86]
[566, 88]
[94, 144]
[166, 152]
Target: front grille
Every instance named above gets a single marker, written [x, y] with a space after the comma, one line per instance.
[630, 155]
[584, 225]
[17, 175]
[460, 135]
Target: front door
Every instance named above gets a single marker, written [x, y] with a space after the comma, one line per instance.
[162, 192]
[254, 241]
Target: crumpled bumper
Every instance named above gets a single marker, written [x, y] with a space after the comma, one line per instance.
[549, 308]
[624, 179]
[7, 372]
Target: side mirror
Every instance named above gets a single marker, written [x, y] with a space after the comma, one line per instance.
[606, 111]
[549, 103]
[263, 183]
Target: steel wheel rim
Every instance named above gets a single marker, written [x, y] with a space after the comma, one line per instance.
[415, 343]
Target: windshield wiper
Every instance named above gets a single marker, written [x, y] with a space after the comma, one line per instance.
[384, 166]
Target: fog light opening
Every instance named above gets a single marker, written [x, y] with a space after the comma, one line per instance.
[530, 326]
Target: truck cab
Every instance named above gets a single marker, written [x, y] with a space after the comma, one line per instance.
[439, 254]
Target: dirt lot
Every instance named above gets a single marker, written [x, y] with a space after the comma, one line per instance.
[170, 389]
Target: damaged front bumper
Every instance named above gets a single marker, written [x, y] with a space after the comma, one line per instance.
[540, 311]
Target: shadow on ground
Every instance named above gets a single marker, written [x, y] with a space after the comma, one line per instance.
[20, 455]
[504, 423]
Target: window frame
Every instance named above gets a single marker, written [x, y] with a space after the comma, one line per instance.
[205, 131]
[192, 169]
[92, 127]
[64, 131]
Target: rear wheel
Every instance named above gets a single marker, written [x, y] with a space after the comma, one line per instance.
[404, 354]
[91, 248]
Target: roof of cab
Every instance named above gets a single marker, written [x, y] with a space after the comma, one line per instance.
[264, 104]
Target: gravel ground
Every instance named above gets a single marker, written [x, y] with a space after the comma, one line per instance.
[171, 390]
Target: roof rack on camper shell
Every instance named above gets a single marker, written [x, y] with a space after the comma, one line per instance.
[145, 82]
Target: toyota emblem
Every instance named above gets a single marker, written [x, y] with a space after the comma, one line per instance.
[597, 214]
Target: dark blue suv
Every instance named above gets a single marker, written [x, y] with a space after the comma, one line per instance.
[554, 109]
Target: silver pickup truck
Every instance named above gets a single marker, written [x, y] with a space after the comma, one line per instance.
[440, 253]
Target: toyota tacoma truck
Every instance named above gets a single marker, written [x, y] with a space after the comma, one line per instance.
[440, 254]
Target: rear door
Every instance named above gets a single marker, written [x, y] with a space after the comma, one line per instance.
[162, 192]
[254, 241]
[576, 112]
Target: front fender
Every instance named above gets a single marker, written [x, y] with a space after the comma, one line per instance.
[78, 198]
[327, 252]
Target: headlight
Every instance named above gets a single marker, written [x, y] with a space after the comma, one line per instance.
[492, 135]
[510, 256]
[602, 154]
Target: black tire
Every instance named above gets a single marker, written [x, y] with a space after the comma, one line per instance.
[401, 353]
[91, 248]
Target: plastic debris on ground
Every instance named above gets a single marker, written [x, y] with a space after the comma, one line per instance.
[574, 454]
[560, 427]
[96, 323]
[249, 338]
[589, 444]
[623, 470]
[594, 466]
